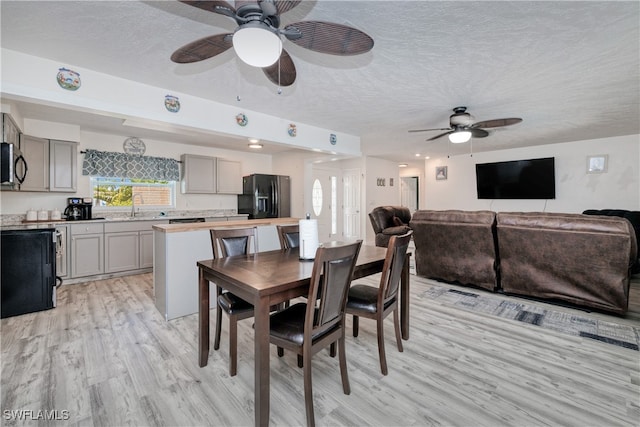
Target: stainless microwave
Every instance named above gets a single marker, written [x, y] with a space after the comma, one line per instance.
[13, 166]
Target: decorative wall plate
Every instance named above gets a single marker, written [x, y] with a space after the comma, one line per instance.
[133, 145]
[292, 131]
[241, 119]
[172, 103]
[68, 79]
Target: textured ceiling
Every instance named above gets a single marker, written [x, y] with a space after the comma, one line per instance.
[570, 70]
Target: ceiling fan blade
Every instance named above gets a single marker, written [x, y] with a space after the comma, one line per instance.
[496, 123]
[441, 135]
[478, 133]
[221, 7]
[285, 6]
[426, 130]
[202, 49]
[331, 38]
[283, 72]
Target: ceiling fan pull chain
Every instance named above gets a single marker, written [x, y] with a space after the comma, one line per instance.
[471, 144]
[279, 87]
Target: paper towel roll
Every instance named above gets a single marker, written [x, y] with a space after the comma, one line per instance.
[308, 238]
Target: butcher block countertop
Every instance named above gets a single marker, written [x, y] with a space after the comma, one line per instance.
[195, 226]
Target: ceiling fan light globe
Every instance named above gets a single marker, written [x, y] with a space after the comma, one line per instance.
[257, 46]
[459, 137]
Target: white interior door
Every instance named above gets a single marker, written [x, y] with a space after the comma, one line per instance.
[351, 203]
[324, 200]
[409, 192]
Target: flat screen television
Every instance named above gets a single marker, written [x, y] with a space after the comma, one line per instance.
[519, 179]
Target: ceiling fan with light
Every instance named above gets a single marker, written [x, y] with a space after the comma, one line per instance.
[461, 129]
[257, 41]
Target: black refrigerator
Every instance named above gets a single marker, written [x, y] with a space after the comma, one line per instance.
[265, 196]
[28, 271]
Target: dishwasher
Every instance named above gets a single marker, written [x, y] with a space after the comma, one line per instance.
[185, 220]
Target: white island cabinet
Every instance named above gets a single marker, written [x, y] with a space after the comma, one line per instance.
[178, 248]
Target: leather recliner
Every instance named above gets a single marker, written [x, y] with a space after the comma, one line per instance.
[388, 221]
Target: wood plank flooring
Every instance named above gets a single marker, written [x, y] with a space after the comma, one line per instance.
[107, 356]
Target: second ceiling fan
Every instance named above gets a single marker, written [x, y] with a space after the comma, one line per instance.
[257, 40]
[461, 128]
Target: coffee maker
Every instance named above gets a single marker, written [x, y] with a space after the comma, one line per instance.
[78, 208]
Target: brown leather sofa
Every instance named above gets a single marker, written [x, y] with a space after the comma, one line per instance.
[634, 219]
[388, 221]
[575, 258]
[456, 246]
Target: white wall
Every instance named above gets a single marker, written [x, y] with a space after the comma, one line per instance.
[575, 189]
[13, 202]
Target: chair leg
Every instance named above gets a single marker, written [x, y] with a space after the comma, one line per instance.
[300, 361]
[396, 323]
[216, 342]
[381, 352]
[356, 323]
[346, 387]
[308, 391]
[332, 350]
[233, 345]
[280, 351]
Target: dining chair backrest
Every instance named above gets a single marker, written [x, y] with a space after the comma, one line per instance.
[332, 273]
[393, 265]
[289, 236]
[233, 241]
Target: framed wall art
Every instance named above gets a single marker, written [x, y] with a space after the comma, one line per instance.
[441, 173]
[597, 163]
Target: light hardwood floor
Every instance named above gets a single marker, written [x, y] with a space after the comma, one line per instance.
[107, 356]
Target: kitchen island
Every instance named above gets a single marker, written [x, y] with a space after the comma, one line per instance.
[178, 247]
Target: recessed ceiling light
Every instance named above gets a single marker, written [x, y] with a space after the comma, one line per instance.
[417, 154]
[254, 140]
[255, 145]
[403, 165]
[427, 157]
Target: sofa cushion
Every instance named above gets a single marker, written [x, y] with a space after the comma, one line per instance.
[391, 231]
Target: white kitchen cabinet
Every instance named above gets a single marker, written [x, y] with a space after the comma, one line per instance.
[10, 132]
[63, 167]
[146, 249]
[121, 251]
[62, 248]
[229, 177]
[198, 174]
[36, 153]
[87, 249]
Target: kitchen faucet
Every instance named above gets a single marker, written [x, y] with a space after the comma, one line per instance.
[133, 203]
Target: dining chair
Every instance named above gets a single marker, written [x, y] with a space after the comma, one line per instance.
[378, 302]
[289, 236]
[230, 242]
[307, 327]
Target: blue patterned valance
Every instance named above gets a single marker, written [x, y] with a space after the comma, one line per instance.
[121, 165]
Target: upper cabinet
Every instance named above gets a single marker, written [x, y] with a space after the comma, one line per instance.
[229, 177]
[210, 175]
[10, 132]
[36, 154]
[198, 174]
[51, 164]
[63, 160]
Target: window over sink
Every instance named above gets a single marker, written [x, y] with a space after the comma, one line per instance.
[119, 192]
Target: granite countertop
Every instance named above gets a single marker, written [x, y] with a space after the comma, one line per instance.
[18, 222]
[195, 226]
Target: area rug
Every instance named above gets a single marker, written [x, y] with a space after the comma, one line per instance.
[608, 332]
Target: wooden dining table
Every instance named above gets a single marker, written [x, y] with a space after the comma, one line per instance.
[268, 278]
